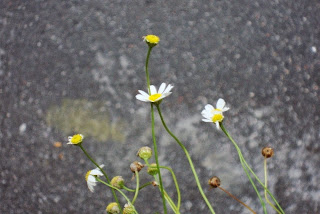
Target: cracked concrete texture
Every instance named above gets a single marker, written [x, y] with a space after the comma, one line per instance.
[262, 57]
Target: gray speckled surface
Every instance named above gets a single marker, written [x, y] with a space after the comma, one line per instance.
[76, 66]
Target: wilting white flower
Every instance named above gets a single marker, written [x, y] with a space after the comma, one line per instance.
[155, 95]
[214, 115]
[91, 177]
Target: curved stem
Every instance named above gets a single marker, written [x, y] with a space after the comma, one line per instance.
[137, 187]
[140, 188]
[124, 195]
[147, 72]
[176, 184]
[273, 198]
[189, 159]
[244, 167]
[103, 172]
[248, 167]
[157, 161]
[266, 185]
[167, 197]
[235, 198]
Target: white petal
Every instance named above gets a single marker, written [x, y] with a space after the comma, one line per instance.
[96, 172]
[162, 87]
[141, 98]
[221, 103]
[209, 107]
[166, 94]
[143, 93]
[91, 185]
[207, 120]
[225, 109]
[153, 89]
[168, 89]
[218, 125]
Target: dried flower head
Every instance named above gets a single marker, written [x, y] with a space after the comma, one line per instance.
[214, 182]
[136, 166]
[267, 152]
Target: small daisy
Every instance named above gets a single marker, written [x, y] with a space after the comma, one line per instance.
[214, 115]
[151, 40]
[75, 139]
[155, 95]
[91, 177]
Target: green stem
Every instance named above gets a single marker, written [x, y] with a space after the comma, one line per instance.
[273, 198]
[157, 161]
[137, 187]
[266, 185]
[244, 167]
[124, 195]
[147, 72]
[103, 172]
[189, 159]
[176, 184]
[167, 197]
[140, 188]
[256, 177]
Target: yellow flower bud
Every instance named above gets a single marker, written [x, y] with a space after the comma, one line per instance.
[117, 182]
[151, 40]
[113, 208]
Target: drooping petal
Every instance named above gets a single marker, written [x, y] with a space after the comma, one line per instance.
[220, 104]
[207, 120]
[162, 87]
[153, 89]
[218, 125]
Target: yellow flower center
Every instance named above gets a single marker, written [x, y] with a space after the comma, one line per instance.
[217, 118]
[87, 175]
[76, 139]
[153, 39]
[154, 97]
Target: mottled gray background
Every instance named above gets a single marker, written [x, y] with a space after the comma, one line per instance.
[70, 66]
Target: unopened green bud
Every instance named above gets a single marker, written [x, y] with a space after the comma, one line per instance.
[152, 169]
[113, 208]
[128, 209]
[145, 153]
[117, 182]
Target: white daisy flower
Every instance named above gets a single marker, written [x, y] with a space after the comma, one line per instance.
[91, 177]
[75, 139]
[214, 115]
[155, 95]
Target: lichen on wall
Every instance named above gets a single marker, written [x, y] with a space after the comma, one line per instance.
[90, 118]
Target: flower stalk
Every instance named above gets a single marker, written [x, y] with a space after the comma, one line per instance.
[189, 159]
